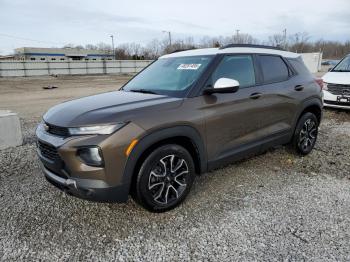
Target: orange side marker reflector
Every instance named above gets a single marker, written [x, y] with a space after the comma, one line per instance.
[131, 147]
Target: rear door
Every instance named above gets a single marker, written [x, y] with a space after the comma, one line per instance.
[279, 91]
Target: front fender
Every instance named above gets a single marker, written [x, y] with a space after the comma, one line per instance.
[159, 135]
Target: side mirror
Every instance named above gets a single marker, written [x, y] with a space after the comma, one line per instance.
[330, 69]
[223, 85]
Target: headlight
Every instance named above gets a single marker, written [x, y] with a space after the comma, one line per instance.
[325, 86]
[95, 130]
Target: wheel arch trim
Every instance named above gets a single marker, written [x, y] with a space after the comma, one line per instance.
[159, 135]
[312, 102]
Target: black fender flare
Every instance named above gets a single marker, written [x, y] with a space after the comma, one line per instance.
[313, 101]
[158, 135]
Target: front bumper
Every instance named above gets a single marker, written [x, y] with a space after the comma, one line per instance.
[65, 170]
[89, 189]
[330, 100]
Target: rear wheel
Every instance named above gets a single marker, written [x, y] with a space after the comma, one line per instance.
[305, 134]
[165, 178]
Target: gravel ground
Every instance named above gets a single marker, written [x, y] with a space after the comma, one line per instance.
[275, 206]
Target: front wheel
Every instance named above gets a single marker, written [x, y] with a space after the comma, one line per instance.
[165, 178]
[305, 134]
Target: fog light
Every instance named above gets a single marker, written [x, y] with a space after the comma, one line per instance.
[91, 156]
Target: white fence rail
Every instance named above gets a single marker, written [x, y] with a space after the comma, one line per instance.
[29, 68]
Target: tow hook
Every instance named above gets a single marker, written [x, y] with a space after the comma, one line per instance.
[70, 183]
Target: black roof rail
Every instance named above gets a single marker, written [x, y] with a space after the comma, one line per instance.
[252, 46]
[181, 50]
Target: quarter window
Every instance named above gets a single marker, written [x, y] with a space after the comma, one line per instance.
[274, 69]
[240, 68]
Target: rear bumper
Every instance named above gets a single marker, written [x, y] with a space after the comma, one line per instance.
[94, 190]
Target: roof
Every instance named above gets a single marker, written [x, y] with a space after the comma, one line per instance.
[232, 50]
[4, 57]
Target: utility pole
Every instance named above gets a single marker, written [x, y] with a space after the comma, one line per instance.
[285, 38]
[169, 35]
[113, 50]
[237, 36]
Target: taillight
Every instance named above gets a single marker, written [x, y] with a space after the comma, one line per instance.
[320, 82]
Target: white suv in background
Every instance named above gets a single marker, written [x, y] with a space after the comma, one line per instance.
[336, 87]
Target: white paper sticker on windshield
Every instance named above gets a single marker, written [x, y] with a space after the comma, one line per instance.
[189, 66]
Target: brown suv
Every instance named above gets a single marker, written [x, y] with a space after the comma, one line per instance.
[185, 114]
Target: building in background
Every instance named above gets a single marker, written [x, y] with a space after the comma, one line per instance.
[7, 57]
[60, 54]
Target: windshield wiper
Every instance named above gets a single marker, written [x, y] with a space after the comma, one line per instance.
[144, 91]
[341, 70]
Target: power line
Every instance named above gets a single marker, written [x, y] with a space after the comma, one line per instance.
[32, 40]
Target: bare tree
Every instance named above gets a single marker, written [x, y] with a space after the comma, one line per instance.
[298, 41]
[244, 39]
[153, 49]
[91, 47]
[207, 42]
[277, 40]
[70, 45]
[79, 47]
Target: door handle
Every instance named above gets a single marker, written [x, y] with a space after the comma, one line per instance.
[298, 88]
[255, 95]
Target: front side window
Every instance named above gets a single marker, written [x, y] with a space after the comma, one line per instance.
[240, 68]
[274, 69]
[170, 76]
[343, 66]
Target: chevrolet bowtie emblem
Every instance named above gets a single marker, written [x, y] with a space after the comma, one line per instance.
[46, 127]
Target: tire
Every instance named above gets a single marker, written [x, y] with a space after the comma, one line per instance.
[164, 179]
[305, 134]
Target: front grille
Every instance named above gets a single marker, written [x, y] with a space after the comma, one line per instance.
[48, 151]
[57, 130]
[339, 89]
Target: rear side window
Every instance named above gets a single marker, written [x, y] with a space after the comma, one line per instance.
[274, 69]
[240, 68]
[299, 66]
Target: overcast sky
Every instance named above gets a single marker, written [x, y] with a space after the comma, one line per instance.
[55, 23]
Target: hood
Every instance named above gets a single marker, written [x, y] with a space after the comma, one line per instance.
[111, 107]
[340, 78]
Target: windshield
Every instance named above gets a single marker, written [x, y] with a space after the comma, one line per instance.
[343, 66]
[169, 76]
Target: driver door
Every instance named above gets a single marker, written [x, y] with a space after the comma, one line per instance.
[233, 120]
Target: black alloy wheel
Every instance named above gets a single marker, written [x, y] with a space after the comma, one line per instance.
[165, 178]
[305, 135]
